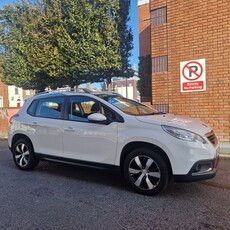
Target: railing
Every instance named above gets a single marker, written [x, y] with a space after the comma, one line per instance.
[161, 107]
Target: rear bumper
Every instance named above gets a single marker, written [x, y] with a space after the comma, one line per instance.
[201, 170]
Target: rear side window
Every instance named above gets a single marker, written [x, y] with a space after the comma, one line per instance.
[32, 108]
[49, 107]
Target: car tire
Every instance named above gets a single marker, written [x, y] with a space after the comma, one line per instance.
[146, 171]
[23, 154]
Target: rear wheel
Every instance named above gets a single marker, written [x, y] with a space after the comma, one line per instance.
[146, 171]
[23, 154]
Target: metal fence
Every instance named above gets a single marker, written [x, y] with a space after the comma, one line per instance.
[161, 107]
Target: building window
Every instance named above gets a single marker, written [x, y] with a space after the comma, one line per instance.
[159, 16]
[27, 92]
[160, 64]
[16, 90]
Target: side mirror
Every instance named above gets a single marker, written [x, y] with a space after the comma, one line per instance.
[97, 118]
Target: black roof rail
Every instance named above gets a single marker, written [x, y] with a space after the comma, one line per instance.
[40, 93]
[110, 92]
[80, 90]
[67, 89]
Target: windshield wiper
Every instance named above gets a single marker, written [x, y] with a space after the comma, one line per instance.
[157, 113]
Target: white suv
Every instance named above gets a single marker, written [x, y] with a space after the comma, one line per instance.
[104, 129]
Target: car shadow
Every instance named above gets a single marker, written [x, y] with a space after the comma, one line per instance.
[94, 176]
[105, 177]
[109, 178]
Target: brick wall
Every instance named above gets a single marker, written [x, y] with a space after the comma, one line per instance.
[5, 115]
[4, 93]
[194, 30]
[3, 122]
[144, 30]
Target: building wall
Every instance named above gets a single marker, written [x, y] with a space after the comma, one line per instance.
[4, 95]
[194, 30]
[5, 115]
[10, 97]
[144, 28]
[15, 96]
[28, 93]
[159, 47]
[120, 87]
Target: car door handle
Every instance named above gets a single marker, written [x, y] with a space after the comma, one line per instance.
[35, 124]
[69, 129]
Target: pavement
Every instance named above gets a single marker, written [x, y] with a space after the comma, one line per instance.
[62, 197]
[225, 148]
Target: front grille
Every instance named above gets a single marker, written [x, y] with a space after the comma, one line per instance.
[212, 138]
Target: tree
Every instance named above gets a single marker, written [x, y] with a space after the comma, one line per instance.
[59, 42]
[126, 38]
[145, 71]
[125, 43]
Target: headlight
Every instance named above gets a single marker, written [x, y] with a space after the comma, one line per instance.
[183, 134]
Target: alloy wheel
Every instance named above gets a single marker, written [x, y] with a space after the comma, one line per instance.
[22, 154]
[144, 172]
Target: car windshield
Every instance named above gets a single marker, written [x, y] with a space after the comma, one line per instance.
[128, 106]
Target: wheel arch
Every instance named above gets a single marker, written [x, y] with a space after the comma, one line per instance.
[137, 144]
[19, 136]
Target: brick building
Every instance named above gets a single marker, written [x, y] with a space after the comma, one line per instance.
[173, 32]
[3, 95]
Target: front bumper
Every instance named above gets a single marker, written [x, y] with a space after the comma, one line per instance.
[201, 170]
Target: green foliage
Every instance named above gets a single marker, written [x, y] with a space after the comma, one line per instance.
[126, 38]
[59, 42]
[145, 71]
[125, 43]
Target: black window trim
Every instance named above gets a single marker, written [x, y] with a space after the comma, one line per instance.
[64, 112]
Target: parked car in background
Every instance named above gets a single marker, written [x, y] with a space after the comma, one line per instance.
[104, 129]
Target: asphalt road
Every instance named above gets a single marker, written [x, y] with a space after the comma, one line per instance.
[57, 196]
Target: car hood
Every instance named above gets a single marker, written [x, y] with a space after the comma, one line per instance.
[182, 122]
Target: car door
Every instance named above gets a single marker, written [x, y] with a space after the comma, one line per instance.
[45, 126]
[84, 140]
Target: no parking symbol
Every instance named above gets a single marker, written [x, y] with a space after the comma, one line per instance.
[193, 76]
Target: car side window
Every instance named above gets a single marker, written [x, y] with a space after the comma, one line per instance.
[80, 107]
[50, 107]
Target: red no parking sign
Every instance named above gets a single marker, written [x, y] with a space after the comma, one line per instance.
[193, 75]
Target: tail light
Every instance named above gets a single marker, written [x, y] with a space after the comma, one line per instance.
[15, 115]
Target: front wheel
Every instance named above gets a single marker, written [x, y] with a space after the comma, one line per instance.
[146, 171]
[23, 154]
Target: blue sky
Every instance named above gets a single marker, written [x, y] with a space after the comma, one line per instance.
[133, 24]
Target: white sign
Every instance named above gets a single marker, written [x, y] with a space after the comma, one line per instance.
[193, 75]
